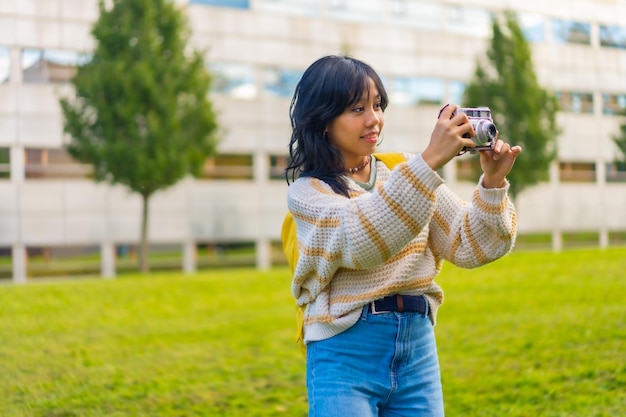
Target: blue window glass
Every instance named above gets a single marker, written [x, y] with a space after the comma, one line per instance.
[533, 27]
[280, 82]
[356, 10]
[232, 79]
[413, 91]
[456, 89]
[566, 31]
[296, 7]
[5, 64]
[613, 36]
[237, 4]
[613, 104]
[419, 14]
[51, 65]
[471, 21]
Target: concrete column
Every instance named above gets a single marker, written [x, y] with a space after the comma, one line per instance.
[190, 256]
[19, 259]
[557, 238]
[263, 254]
[603, 232]
[17, 164]
[107, 260]
[604, 238]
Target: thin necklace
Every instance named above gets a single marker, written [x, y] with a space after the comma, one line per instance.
[360, 167]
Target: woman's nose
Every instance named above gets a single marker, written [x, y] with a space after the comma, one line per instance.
[373, 117]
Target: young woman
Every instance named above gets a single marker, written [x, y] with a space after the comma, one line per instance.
[372, 240]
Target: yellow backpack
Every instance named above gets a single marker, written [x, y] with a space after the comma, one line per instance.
[289, 237]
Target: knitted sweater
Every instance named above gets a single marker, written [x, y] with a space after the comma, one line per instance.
[392, 240]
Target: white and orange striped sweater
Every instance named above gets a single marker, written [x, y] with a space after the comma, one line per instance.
[392, 240]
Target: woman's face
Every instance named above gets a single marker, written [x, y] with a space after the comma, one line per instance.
[355, 132]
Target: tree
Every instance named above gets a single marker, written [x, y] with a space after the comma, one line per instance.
[620, 141]
[524, 113]
[140, 113]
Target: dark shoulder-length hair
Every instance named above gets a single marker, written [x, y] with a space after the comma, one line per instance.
[327, 88]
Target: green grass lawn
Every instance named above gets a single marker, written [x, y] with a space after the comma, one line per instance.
[534, 334]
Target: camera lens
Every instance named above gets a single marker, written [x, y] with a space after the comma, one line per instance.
[485, 132]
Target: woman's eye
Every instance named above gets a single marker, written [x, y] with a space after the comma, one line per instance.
[358, 109]
[378, 105]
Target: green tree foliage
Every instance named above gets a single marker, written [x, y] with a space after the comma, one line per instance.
[524, 113]
[140, 114]
[620, 141]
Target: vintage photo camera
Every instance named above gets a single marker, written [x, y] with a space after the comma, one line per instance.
[480, 118]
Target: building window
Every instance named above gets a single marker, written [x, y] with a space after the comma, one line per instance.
[356, 10]
[297, 7]
[281, 82]
[228, 167]
[613, 36]
[577, 172]
[42, 163]
[575, 102]
[5, 163]
[468, 20]
[235, 80]
[236, 4]
[533, 27]
[278, 164]
[413, 91]
[417, 13]
[567, 31]
[5, 64]
[616, 172]
[613, 104]
[456, 89]
[50, 65]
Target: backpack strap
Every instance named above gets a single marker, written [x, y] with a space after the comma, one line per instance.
[391, 159]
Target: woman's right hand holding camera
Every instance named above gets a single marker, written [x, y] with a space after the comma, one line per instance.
[447, 139]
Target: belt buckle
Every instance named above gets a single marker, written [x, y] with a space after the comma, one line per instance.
[373, 308]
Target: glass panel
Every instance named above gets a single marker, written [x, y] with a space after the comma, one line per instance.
[577, 172]
[50, 65]
[237, 4]
[456, 89]
[5, 162]
[533, 26]
[5, 64]
[300, 7]
[44, 163]
[229, 167]
[281, 82]
[235, 80]
[566, 31]
[425, 14]
[356, 10]
[469, 21]
[616, 172]
[613, 103]
[278, 163]
[575, 102]
[614, 36]
[412, 91]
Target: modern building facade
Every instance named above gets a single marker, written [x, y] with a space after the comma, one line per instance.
[425, 50]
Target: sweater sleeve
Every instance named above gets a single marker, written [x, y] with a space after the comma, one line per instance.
[360, 232]
[471, 234]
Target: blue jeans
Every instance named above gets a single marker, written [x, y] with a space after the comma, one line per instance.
[385, 365]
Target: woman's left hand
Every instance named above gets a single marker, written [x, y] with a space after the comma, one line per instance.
[497, 163]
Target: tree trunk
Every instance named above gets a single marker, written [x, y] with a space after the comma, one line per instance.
[144, 267]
